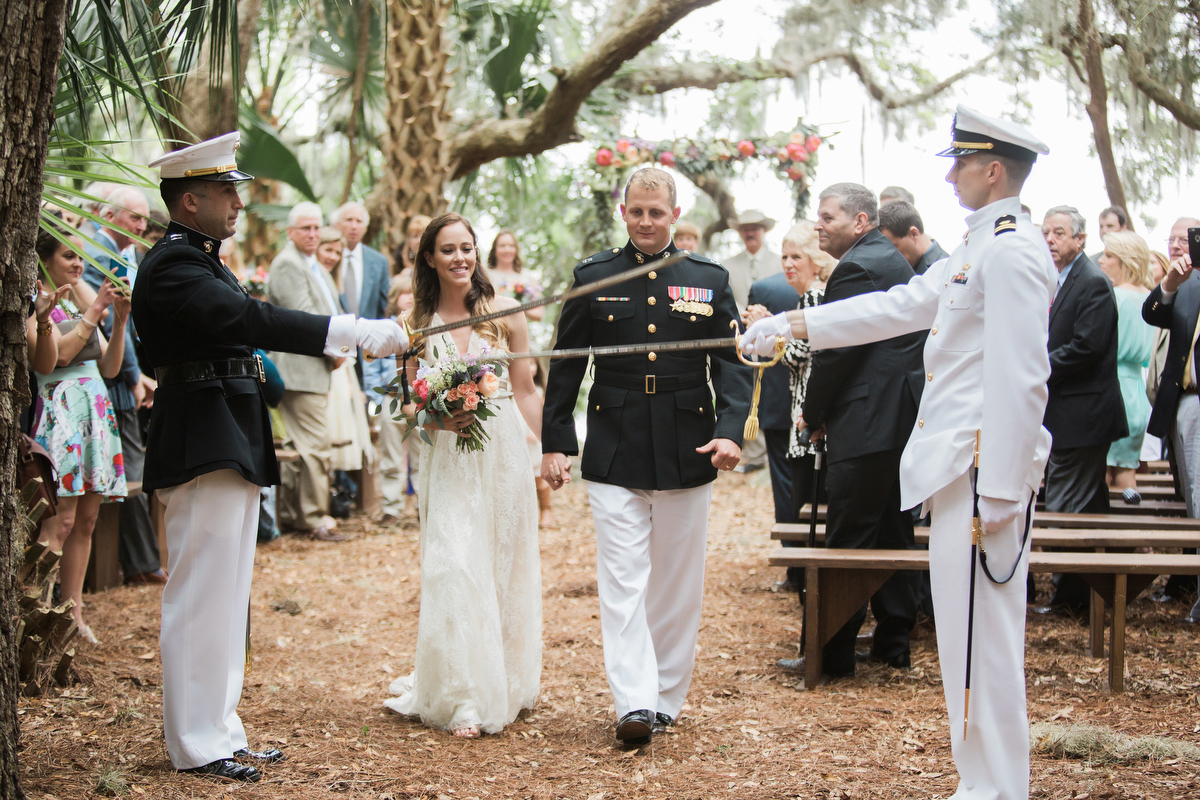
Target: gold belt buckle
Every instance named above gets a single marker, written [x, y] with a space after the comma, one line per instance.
[262, 372]
[650, 385]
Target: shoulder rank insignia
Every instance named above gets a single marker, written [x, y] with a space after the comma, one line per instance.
[175, 237]
[691, 300]
[208, 246]
[1006, 223]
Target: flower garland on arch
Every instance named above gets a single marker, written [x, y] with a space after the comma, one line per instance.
[793, 156]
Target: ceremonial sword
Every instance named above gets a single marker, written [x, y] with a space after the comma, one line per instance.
[620, 349]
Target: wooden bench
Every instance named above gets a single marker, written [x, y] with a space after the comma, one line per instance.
[1078, 538]
[1148, 491]
[1056, 519]
[104, 566]
[838, 582]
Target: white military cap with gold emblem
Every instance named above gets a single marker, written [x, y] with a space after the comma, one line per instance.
[212, 160]
[978, 133]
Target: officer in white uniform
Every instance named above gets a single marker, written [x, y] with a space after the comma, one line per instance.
[209, 447]
[986, 362]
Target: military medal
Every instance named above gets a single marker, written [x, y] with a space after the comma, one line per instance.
[691, 300]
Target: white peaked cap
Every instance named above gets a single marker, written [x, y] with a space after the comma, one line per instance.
[973, 132]
[212, 160]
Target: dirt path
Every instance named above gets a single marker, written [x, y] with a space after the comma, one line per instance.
[320, 676]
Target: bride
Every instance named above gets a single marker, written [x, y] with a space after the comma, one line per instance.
[479, 635]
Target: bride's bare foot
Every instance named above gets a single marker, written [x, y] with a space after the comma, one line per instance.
[467, 732]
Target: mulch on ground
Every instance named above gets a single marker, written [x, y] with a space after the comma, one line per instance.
[334, 624]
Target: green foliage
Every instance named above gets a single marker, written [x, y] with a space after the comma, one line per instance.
[264, 155]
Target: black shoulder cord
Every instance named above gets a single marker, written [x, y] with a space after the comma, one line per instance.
[405, 394]
[1020, 552]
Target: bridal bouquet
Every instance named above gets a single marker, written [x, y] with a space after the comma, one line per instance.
[451, 384]
[525, 291]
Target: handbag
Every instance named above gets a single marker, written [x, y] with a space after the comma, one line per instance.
[34, 462]
[90, 350]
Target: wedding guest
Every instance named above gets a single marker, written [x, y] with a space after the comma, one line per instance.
[479, 647]
[806, 267]
[687, 236]
[893, 193]
[365, 277]
[156, 228]
[403, 258]
[1112, 220]
[41, 336]
[230, 255]
[1159, 264]
[73, 417]
[349, 434]
[505, 265]
[1126, 262]
[756, 260]
[298, 282]
[901, 223]
[397, 457]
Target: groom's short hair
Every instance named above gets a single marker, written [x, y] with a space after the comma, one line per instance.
[652, 178]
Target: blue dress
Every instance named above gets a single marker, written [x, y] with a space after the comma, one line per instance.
[1135, 344]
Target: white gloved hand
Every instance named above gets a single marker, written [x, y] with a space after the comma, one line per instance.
[380, 337]
[759, 338]
[995, 514]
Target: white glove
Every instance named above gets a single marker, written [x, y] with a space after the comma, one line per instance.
[759, 338]
[380, 337]
[995, 514]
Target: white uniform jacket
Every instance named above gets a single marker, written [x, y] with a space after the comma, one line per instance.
[986, 362]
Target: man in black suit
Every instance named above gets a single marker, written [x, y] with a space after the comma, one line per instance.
[900, 222]
[866, 400]
[774, 407]
[1175, 305]
[1084, 413]
[209, 447]
[656, 438]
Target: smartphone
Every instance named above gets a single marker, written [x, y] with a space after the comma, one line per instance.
[121, 270]
[1194, 246]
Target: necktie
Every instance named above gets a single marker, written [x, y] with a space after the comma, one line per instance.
[1189, 366]
[350, 283]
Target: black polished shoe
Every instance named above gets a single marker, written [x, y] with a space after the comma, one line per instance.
[227, 769]
[662, 722]
[271, 755]
[902, 661]
[797, 665]
[1058, 611]
[635, 728]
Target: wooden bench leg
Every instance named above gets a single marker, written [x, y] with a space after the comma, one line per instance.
[1097, 624]
[812, 632]
[1116, 648]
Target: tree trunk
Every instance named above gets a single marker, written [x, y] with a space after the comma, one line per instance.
[417, 86]
[32, 37]
[210, 109]
[365, 7]
[1097, 105]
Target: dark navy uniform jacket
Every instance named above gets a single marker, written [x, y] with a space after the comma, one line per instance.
[188, 307]
[647, 413]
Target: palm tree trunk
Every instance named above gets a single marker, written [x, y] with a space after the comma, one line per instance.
[31, 40]
[210, 109]
[417, 85]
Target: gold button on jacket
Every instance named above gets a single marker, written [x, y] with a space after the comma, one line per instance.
[651, 327]
[652, 356]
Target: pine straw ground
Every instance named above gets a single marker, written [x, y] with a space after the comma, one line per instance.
[320, 676]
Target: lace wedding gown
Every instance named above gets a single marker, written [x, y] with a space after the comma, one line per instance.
[479, 635]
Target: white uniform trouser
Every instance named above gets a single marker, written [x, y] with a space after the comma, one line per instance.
[993, 761]
[212, 523]
[650, 549]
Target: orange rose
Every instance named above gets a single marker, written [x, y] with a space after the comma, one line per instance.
[488, 384]
[471, 402]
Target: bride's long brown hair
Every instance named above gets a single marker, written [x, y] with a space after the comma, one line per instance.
[427, 288]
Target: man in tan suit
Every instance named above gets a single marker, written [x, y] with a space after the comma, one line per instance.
[757, 261]
[298, 282]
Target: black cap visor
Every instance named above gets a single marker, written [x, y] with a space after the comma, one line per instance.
[967, 143]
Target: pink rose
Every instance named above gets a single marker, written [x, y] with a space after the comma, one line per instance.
[812, 143]
[421, 387]
[667, 159]
[471, 402]
[795, 174]
[466, 390]
[622, 145]
[452, 395]
[795, 150]
[746, 148]
[632, 155]
[604, 157]
[801, 156]
[488, 384]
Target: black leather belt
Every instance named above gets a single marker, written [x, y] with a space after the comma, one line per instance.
[651, 384]
[211, 371]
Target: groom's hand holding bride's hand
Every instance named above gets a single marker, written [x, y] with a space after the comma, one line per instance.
[556, 470]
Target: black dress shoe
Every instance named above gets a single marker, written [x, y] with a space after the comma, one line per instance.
[228, 769]
[662, 722]
[635, 728]
[797, 665]
[902, 661]
[271, 755]
[1053, 610]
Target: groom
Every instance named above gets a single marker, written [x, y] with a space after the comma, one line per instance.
[655, 441]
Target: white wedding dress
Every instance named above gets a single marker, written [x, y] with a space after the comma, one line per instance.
[479, 635]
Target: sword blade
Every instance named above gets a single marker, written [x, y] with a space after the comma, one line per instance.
[570, 294]
[621, 349]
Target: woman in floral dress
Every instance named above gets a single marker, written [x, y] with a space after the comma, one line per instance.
[73, 418]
